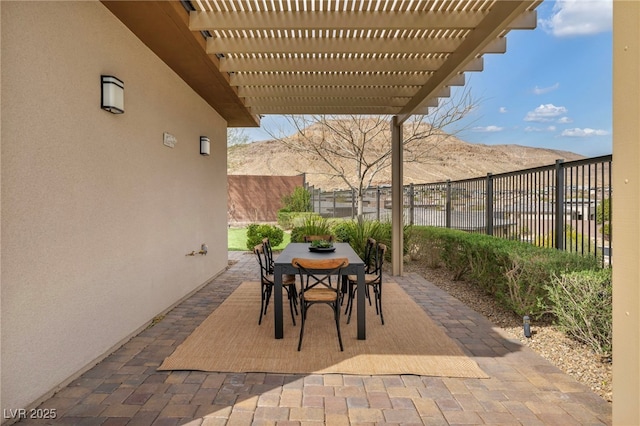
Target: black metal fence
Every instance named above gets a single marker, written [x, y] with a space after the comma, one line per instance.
[565, 205]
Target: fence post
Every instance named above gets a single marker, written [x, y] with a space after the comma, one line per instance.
[489, 204]
[320, 202]
[411, 205]
[334, 203]
[312, 192]
[447, 205]
[559, 213]
[378, 203]
[353, 204]
[313, 199]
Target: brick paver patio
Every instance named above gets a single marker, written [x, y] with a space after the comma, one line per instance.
[126, 389]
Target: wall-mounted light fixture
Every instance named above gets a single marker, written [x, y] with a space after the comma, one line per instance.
[205, 146]
[112, 98]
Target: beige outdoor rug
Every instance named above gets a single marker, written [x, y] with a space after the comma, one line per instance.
[230, 340]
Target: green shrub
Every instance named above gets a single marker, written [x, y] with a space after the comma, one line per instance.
[288, 219]
[531, 269]
[298, 201]
[603, 211]
[488, 259]
[453, 248]
[426, 250]
[341, 230]
[257, 232]
[582, 304]
[602, 217]
[311, 225]
[514, 272]
[355, 232]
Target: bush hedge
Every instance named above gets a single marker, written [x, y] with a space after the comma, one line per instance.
[298, 201]
[257, 232]
[515, 273]
[311, 225]
[355, 232]
[582, 305]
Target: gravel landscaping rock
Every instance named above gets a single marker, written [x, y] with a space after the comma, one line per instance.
[572, 357]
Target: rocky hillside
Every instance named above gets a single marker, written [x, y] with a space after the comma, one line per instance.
[449, 158]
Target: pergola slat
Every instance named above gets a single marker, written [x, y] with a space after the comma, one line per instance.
[386, 46]
[391, 101]
[320, 20]
[334, 110]
[331, 64]
[330, 91]
[335, 45]
[322, 80]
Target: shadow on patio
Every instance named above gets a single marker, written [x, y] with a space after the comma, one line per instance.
[126, 388]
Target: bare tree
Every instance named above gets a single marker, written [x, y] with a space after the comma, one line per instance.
[356, 148]
[237, 136]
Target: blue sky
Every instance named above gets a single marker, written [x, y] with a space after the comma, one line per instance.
[551, 89]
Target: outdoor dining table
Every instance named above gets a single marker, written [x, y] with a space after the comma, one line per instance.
[282, 265]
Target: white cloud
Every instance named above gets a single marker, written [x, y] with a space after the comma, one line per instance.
[488, 129]
[542, 90]
[547, 112]
[583, 133]
[565, 120]
[579, 17]
[502, 110]
[540, 129]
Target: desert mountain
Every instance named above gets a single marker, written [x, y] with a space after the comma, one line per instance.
[449, 158]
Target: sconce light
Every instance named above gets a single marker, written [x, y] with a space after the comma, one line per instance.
[112, 98]
[205, 146]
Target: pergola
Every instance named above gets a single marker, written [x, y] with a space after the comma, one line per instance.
[249, 58]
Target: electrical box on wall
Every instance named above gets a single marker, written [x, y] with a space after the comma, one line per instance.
[169, 140]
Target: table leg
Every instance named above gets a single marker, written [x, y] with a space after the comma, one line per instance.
[277, 301]
[362, 321]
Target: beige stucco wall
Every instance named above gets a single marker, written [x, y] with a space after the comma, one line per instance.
[97, 214]
[626, 213]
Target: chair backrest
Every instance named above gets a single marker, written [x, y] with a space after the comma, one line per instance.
[318, 271]
[310, 238]
[258, 250]
[369, 249]
[268, 253]
[378, 260]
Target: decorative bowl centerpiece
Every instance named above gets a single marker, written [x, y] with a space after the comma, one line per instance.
[321, 246]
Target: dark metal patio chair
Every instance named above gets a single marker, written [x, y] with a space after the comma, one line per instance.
[372, 279]
[267, 282]
[368, 267]
[315, 275]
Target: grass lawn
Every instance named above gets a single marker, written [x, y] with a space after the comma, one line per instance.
[238, 240]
